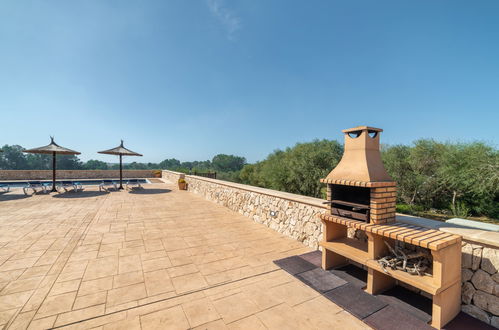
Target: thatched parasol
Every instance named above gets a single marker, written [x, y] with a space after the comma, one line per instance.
[53, 148]
[120, 151]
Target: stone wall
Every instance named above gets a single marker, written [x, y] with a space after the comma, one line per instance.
[72, 174]
[295, 216]
[480, 277]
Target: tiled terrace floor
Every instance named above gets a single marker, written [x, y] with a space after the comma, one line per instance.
[156, 259]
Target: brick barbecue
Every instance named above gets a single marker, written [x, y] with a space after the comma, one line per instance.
[359, 187]
[362, 196]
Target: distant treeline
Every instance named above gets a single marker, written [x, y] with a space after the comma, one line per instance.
[460, 179]
[12, 158]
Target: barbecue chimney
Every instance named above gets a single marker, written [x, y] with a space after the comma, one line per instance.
[359, 187]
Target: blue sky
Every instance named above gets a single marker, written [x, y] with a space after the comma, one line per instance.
[189, 79]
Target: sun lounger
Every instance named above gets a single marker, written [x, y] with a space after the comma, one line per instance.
[5, 187]
[34, 185]
[77, 186]
[66, 185]
[133, 183]
[106, 184]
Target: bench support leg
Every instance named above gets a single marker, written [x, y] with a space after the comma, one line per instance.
[378, 282]
[331, 259]
[332, 231]
[446, 305]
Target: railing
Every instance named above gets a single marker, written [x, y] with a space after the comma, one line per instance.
[210, 175]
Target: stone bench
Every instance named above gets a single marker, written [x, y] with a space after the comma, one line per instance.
[444, 284]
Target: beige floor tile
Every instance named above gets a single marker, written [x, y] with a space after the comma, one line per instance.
[126, 294]
[259, 295]
[35, 272]
[13, 300]
[101, 267]
[214, 325]
[179, 257]
[189, 282]
[128, 279]
[172, 244]
[6, 315]
[153, 245]
[283, 317]
[18, 264]
[156, 264]
[182, 270]
[122, 307]
[130, 263]
[98, 321]
[90, 300]
[80, 314]
[63, 277]
[83, 256]
[133, 243]
[172, 319]
[94, 286]
[132, 251]
[251, 322]
[21, 285]
[153, 255]
[22, 320]
[346, 320]
[200, 312]
[128, 324]
[157, 282]
[293, 293]
[56, 304]
[235, 307]
[64, 287]
[75, 267]
[11, 275]
[42, 324]
[211, 268]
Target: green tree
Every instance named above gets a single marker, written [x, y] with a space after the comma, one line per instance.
[228, 163]
[67, 162]
[296, 170]
[169, 164]
[93, 164]
[12, 158]
[470, 173]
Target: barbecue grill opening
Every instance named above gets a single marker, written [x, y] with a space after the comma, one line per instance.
[350, 202]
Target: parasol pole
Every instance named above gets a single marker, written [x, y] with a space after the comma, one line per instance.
[121, 172]
[53, 172]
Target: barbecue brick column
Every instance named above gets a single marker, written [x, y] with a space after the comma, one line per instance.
[383, 204]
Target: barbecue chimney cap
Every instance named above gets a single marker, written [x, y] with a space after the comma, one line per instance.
[361, 164]
[361, 128]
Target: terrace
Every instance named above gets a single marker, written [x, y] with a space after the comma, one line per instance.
[156, 258]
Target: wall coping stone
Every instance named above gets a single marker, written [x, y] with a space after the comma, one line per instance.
[469, 234]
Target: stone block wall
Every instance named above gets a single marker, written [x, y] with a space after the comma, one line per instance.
[295, 216]
[480, 277]
[72, 174]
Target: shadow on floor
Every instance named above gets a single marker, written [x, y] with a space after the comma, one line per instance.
[394, 309]
[146, 191]
[80, 194]
[5, 197]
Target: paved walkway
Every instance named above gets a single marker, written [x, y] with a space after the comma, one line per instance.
[155, 259]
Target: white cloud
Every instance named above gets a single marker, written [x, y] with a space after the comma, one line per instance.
[230, 21]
